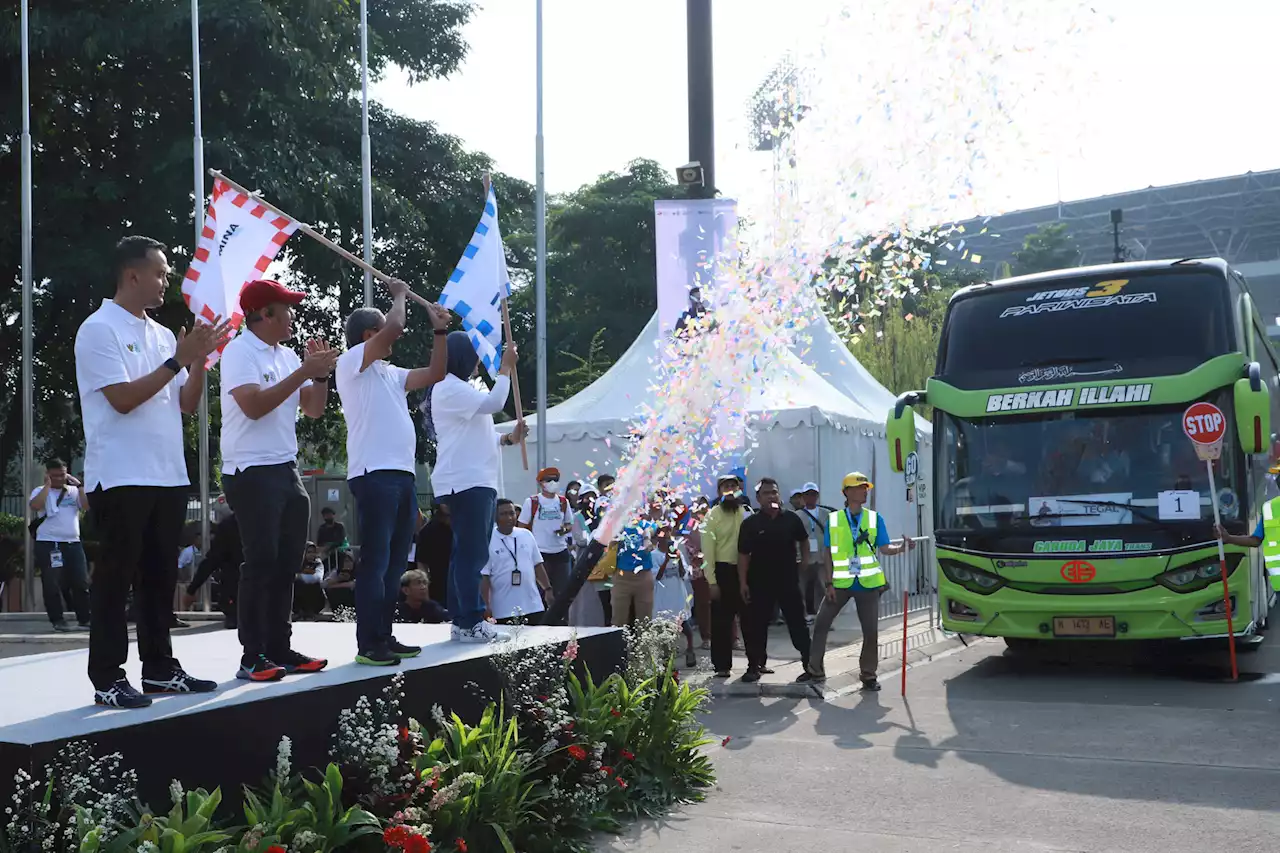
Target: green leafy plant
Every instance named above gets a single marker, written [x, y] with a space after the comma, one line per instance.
[299, 814]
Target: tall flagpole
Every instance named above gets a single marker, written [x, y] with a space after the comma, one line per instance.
[197, 146]
[540, 280]
[366, 151]
[28, 409]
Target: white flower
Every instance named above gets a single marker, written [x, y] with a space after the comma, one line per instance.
[176, 793]
[284, 755]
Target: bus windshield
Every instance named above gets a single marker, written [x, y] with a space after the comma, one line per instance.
[1082, 326]
[1094, 467]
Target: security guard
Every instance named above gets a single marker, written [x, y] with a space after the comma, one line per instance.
[853, 538]
[1266, 534]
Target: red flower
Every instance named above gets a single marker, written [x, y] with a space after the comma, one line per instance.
[615, 712]
[606, 770]
[577, 753]
[725, 742]
[417, 844]
[569, 726]
[393, 836]
[461, 844]
[628, 755]
[622, 783]
[276, 848]
[404, 733]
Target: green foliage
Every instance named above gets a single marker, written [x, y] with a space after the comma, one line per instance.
[1049, 248]
[186, 829]
[299, 814]
[111, 127]
[585, 370]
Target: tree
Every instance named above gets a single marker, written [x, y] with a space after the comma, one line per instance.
[585, 370]
[601, 273]
[1048, 248]
[111, 96]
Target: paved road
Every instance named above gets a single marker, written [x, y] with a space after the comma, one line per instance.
[1115, 750]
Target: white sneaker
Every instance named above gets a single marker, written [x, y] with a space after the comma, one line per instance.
[481, 632]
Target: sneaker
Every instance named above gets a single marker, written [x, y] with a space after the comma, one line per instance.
[402, 651]
[296, 662]
[690, 659]
[178, 623]
[259, 669]
[870, 684]
[481, 632]
[764, 670]
[750, 676]
[82, 626]
[177, 682]
[722, 673]
[121, 694]
[807, 677]
[62, 628]
[377, 657]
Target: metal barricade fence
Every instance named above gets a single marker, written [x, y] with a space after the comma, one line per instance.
[914, 572]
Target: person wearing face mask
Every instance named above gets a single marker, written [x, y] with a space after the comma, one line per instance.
[466, 476]
[720, 567]
[549, 517]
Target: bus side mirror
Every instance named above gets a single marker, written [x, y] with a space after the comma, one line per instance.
[901, 432]
[1253, 413]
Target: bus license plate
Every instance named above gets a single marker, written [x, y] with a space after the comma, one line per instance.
[1084, 626]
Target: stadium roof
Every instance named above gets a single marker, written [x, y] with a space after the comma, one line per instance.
[1236, 218]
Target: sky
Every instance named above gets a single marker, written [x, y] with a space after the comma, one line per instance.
[1174, 90]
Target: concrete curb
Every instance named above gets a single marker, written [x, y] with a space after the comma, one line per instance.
[933, 644]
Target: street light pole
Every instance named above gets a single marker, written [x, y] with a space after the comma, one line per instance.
[197, 148]
[28, 407]
[540, 274]
[366, 152]
[702, 125]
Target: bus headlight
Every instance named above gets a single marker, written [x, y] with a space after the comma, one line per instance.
[1196, 576]
[971, 577]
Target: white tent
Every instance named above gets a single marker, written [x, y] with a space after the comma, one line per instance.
[818, 416]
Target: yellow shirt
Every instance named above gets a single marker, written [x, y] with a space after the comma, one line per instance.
[720, 539]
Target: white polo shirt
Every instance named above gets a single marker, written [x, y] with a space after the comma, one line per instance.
[272, 438]
[517, 548]
[380, 433]
[466, 442]
[61, 514]
[144, 447]
[552, 514]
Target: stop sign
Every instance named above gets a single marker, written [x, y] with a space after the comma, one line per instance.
[1204, 423]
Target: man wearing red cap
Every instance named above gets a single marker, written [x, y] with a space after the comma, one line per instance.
[548, 516]
[263, 386]
[381, 465]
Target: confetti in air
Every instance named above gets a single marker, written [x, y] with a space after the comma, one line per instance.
[901, 118]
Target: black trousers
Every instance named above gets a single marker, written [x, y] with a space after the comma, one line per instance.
[274, 514]
[723, 612]
[140, 529]
[773, 589]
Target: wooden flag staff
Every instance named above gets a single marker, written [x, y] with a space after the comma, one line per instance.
[317, 236]
[506, 328]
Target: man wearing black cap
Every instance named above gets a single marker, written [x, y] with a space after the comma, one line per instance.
[263, 385]
[381, 464]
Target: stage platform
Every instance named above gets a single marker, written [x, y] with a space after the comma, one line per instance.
[229, 738]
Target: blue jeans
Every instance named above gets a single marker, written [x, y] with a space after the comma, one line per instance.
[386, 506]
[473, 512]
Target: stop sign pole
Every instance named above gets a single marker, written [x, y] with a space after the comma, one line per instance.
[1206, 426]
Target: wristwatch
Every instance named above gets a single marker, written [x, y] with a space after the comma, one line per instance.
[439, 331]
[172, 364]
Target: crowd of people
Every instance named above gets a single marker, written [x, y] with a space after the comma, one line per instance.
[479, 560]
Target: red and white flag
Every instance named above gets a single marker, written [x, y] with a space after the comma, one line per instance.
[239, 240]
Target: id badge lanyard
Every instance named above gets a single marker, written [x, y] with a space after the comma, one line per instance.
[515, 564]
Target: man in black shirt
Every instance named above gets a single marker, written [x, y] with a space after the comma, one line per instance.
[769, 576]
[330, 539]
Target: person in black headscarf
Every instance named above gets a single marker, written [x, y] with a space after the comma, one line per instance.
[467, 474]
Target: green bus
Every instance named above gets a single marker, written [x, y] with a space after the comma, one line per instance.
[1067, 500]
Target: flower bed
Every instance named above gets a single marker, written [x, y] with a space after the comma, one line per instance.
[557, 758]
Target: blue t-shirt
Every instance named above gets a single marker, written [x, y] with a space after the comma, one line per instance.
[632, 556]
[1257, 531]
[882, 535]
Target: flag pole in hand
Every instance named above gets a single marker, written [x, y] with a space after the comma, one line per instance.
[515, 378]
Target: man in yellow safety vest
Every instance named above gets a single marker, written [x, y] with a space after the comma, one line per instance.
[853, 538]
[1266, 534]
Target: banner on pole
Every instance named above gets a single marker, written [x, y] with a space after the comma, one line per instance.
[239, 240]
[693, 241]
[479, 284]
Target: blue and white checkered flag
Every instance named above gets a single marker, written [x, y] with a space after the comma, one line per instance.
[479, 284]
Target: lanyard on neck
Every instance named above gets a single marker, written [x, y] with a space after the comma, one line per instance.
[859, 535]
[515, 564]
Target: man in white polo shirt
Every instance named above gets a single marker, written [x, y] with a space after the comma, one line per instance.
[263, 386]
[135, 382]
[59, 553]
[380, 464]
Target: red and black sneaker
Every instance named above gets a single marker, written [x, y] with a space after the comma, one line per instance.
[296, 662]
[258, 668]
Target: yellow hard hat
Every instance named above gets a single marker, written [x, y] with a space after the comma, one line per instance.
[857, 478]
